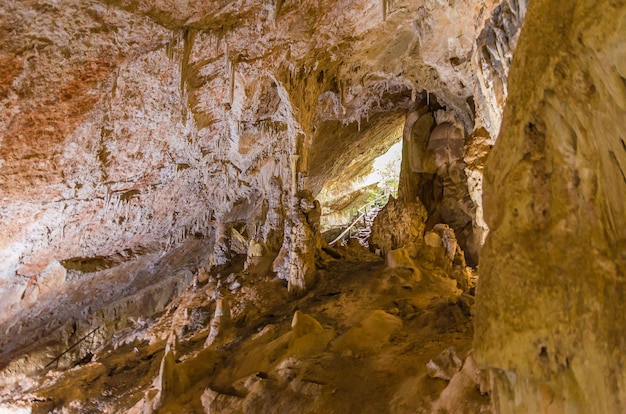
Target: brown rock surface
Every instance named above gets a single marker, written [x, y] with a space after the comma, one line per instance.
[408, 218]
[552, 272]
[359, 341]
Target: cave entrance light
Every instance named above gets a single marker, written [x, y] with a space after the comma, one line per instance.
[362, 198]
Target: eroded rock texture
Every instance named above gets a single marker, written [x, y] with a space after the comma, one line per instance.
[130, 127]
[131, 130]
[552, 271]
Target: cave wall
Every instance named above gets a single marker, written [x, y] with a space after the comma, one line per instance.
[495, 49]
[131, 127]
[550, 297]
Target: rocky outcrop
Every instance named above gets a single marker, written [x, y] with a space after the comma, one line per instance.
[552, 271]
[496, 45]
[408, 220]
[477, 148]
[296, 260]
[434, 171]
[467, 392]
[48, 331]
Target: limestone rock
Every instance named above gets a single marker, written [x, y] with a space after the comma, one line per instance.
[308, 337]
[477, 149]
[270, 350]
[441, 248]
[213, 402]
[254, 254]
[203, 275]
[301, 244]
[446, 144]
[50, 278]
[432, 239]
[552, 269]
[220, 323]
[421, 156]
[296, 260]
[408, 218]
[133, 131]
[433, 170]
[496, 45]
[448, 241]
[445, 365]
[373, 333]
[465, 393]
[144, 142]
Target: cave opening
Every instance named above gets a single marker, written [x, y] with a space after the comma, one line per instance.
[355, 203]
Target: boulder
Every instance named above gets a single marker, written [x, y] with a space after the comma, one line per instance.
[399, 224]
[445, 365]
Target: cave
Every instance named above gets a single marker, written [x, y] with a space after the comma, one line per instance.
[169, 170]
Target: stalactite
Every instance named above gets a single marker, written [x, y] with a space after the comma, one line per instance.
[294, 171]
[107, 201]
[171, 47]
[218, 40]
[277, 7]
[116, 202]
[233, 67]
[188, 40]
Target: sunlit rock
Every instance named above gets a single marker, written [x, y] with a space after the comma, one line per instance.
[408, 217]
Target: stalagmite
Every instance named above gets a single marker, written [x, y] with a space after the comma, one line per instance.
[219, 322]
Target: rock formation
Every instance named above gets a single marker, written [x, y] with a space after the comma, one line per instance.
[552, 270]
[131, 128]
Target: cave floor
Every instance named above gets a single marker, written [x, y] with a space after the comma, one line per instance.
[359, 342]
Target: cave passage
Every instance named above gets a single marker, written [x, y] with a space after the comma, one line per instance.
[175, 179]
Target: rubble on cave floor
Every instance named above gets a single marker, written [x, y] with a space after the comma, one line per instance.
[359, 341]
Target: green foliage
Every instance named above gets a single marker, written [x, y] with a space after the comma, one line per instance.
[390, 178]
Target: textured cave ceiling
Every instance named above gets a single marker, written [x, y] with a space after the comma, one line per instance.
[130, 126]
